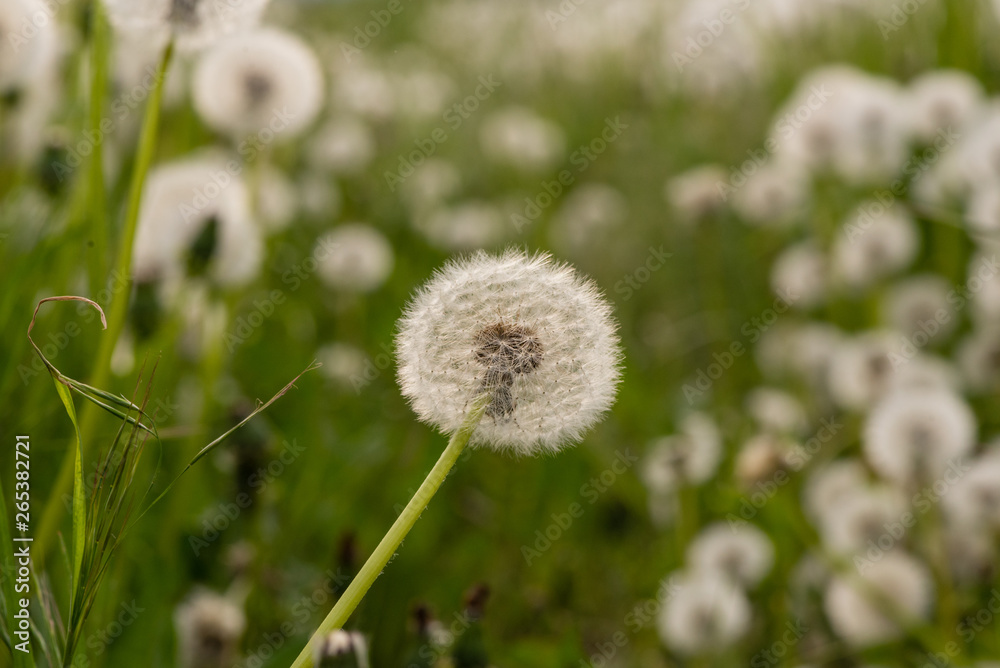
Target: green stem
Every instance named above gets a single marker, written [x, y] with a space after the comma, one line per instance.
[52, 515]
[391, 541]
[96, 198]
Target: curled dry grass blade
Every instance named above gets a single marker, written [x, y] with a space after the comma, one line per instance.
[100, 524]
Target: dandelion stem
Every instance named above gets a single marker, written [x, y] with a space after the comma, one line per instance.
[118, 309]
[392, 540]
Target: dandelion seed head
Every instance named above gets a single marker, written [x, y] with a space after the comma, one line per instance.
[688, 457]
[530, 333]
[209, 628]
[902, 580]
[705, 614]
[354, 257]
[915, 434]
[743, 554]
[193, 24]
[260, 80]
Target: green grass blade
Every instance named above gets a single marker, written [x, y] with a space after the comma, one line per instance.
[21, 660]
[79, 500]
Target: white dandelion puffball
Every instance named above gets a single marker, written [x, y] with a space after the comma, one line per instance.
[705, 614]
[915, 434]
[743, 554]
[528, 331]
[209, 627]
[518, 137]
[942, 100]
[355, 258]
[801, 270]
[902, 580]
[832, 485]
[975, 500]
[697, 193]
[265, 82]
[875, 243]
[194, 24]
[862, 518]
[691, 456]
[23, 42]
[861, 369]
[195, 219]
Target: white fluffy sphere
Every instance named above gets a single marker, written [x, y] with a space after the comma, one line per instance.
[529, 331]
[259, 82]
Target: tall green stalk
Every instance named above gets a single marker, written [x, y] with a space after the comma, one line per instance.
[391, 541]
[97, 206]
[118, 310]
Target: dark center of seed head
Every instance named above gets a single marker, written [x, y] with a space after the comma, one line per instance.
[184, 13]
[506, 351]
[258, 88]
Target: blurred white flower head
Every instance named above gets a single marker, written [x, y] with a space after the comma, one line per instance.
[354, 257]
[861, 369]
[916, 434]
[343, 145]
[25, 39]
[772, 196]
[741, 553]
[689, 457]
[193, 24]
[875, 242]
[267, 83]
[861, 519]
[979, 358]
[209, 627]
[466, 226]
[776, 410]
[590, 213]
[195, 220]
[942, 99]
[340, 644]
[802, 270]
[831, 486]
[529, 332]
[518, 137]
[921, 307]
[975, 500]
[900, 579]
[705, 614]
[697, 193]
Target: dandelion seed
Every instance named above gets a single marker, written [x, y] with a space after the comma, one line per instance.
[183, 232]
[861, 519]
[344, 145]
[829, 487]
[914, 434]
[530, 333]
[338, 647]
[697, 193]
[354, 257]
[23, 53]
[706, 614]
[975, 499]
[266, 82]
[776, 410]
[942, 100]
[466, 226]
[193, 24]
[861, 369]
[209, 628]
[690, 457]
[801, 270]
[518, 137]
[979, 358]
[743, 554]
[897, 577]
[920, 304]
[874, 246]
